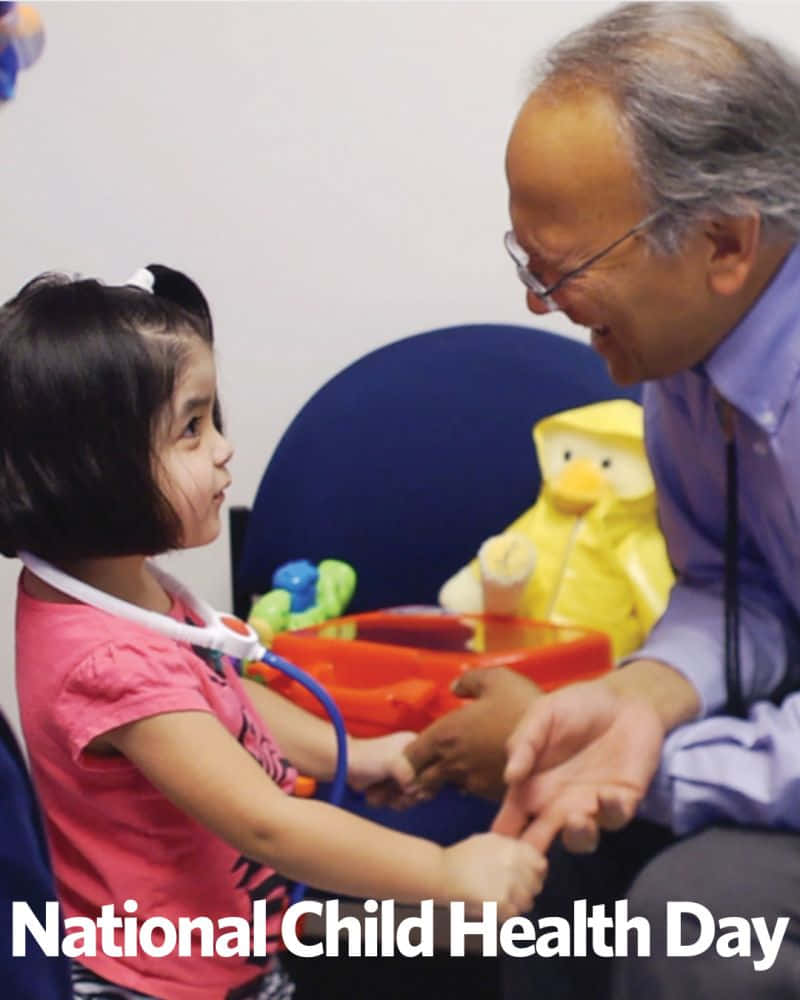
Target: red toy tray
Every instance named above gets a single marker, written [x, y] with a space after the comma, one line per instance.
[392, 669]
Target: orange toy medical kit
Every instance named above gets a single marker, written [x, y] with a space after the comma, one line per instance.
[390, 670]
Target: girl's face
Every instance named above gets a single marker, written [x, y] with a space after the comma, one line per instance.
[193, 455]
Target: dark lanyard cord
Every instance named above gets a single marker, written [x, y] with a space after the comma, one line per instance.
[733, 677]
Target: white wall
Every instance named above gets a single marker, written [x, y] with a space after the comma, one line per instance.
[331, 174]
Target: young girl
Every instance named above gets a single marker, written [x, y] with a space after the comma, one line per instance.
[158, 767]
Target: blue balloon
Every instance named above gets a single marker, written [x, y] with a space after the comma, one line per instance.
[9, 67]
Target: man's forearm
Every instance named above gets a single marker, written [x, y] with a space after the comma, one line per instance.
[672, 696]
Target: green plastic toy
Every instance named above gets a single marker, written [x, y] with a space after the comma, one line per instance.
[303, 595]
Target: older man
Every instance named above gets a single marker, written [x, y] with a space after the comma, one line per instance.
[655, 199]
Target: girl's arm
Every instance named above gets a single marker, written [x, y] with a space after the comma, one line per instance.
[196, 763]
[310, 744]
[308, 741]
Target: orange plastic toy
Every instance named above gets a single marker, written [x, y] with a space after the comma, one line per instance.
[390, 670]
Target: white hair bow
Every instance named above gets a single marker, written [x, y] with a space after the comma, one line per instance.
[143, 278]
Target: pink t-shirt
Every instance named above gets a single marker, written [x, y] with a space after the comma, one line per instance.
[80, 673]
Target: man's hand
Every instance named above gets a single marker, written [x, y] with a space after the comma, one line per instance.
[468, 745]
[579, 762]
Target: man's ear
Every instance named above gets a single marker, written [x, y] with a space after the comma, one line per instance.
[734, 242]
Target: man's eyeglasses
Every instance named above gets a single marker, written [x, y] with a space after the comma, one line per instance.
[545, 292]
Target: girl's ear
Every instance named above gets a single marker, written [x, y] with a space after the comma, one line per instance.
[734, 243]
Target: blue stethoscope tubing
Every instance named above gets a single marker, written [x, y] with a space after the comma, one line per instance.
[339, 782]
[241, 643]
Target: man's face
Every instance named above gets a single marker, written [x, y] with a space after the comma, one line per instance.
[573, 191]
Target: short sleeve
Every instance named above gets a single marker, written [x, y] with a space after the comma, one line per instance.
[123, 682]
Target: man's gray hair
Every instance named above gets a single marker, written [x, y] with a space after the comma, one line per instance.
[711, 113]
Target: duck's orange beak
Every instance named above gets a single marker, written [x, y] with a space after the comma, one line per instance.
[579, 487]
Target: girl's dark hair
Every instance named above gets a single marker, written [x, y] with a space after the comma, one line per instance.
[87, 370]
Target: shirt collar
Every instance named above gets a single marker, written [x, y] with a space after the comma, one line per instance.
[756, 366]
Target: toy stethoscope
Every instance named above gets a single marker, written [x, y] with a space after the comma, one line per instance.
[219, 632]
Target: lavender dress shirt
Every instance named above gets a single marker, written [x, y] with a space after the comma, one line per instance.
[719, 768]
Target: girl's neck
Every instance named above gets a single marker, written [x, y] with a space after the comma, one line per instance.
[125, 577]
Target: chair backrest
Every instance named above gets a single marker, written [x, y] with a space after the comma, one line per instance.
[407, 459]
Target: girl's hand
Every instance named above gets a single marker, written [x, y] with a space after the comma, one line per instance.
[488, 867]
[379, 761]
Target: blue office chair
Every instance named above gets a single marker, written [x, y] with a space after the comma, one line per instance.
[25, 876]
[407, 459]
[401, 465]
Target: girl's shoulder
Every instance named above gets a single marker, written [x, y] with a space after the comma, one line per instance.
[82, 672]
[62, 645]
[57, 626]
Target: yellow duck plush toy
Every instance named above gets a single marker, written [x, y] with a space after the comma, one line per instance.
[589, 552]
